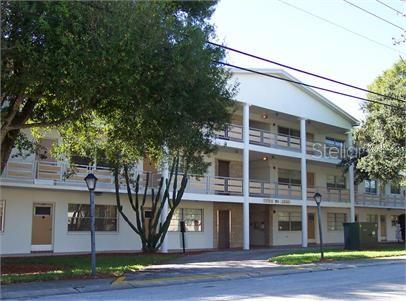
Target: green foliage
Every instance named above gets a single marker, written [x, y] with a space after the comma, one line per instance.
[303, 257]
[118, 79]
[64, 267]
[384, 130]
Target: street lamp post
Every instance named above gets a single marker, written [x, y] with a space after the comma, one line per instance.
[91, 181]
[317, 199]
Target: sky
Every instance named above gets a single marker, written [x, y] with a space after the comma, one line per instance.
[277, 31]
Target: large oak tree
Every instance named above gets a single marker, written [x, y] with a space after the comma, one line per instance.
[134, 65]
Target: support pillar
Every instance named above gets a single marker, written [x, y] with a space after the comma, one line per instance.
[246, 158]
[351, 181]
[303, 178]
[164, 212]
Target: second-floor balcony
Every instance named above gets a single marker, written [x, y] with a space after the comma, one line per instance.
[59, 174]
[317, 149]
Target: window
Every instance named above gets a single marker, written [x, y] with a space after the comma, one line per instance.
[370, 186]
[289, 221]
[193, 219]
[289, 177]
[372, 218]
[79, 217]
[42, 210]
[395, 188]
[288, 132]
[336, 182]
[335, 221]
[2, 211]
[334, 142]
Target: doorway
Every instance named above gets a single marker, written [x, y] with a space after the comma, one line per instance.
[223, 168]
[223, 229]
[42, 225]
[382, 220]
[311, 235]
[259, 225]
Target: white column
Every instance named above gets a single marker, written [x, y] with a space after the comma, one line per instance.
[246, 177]
[164, 212]
[303, 178]
[351, 182]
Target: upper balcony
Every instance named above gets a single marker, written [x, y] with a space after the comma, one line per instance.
[315, 149]
[62, 176]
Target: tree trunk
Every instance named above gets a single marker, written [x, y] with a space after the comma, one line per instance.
[7, 146]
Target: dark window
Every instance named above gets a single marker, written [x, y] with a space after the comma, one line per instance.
[148, 213]
[289, 177]
[336, 182]
[395, 188]
[42, 210]
[79, 217]
[289, 221]
[370, 186]
[288, 132]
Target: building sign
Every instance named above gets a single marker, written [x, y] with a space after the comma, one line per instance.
[275, 201]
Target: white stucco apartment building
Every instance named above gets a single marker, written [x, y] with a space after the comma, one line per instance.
[258, 190]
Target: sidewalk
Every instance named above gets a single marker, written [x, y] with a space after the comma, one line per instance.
[162, 275]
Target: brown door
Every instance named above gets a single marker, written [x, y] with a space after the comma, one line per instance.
[223, 169]
[310, 180]
[42, 225]
[224, 229]
[310, 226]
[383, 227]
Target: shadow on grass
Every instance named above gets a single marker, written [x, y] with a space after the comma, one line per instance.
[41, 268]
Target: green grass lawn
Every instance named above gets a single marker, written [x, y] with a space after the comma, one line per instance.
[41, 268]
[301, 257]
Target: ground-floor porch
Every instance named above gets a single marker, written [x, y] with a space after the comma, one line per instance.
[44, 220]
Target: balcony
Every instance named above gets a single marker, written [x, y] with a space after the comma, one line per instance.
[317, 149]
[376, 200]
[234, 132]
[60, 174]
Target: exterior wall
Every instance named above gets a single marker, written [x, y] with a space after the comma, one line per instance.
[195, 240]
[236, 238]
[16, 237]
[285, 98]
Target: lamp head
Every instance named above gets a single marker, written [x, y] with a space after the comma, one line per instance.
[91, 181]
[317, 198]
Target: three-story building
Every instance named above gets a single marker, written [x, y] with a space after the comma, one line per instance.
[283, 145]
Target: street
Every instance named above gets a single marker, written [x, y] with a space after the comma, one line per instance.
[381, 282]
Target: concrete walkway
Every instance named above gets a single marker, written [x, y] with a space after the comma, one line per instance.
[189, 269]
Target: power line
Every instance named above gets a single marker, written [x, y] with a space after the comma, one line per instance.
[303, 71]
[372, 14]
[304, 84]
[342, 27]
[390, 7]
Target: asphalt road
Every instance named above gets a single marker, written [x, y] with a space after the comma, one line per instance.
[383, 282]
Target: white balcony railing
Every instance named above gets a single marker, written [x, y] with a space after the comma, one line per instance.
[376, 200]
[61, 174]
[234, 132]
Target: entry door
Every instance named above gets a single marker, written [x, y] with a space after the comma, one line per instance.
[310, 226]
[223, 168]
[223, 229]
[383, 227]
[310, 180]
[41, 239]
